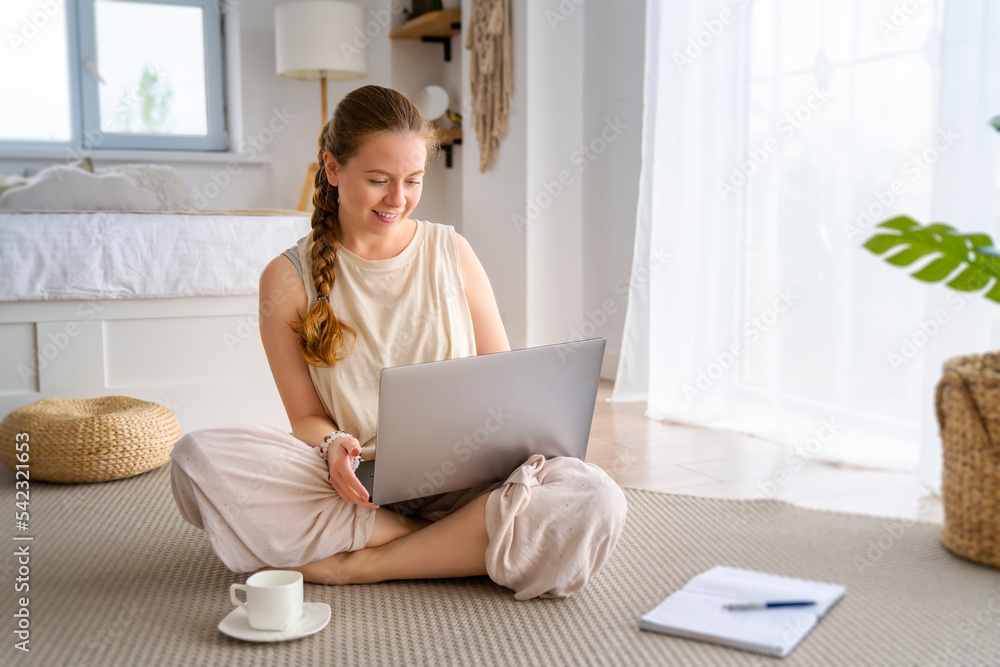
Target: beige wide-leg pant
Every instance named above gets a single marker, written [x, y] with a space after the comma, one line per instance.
[263, 498]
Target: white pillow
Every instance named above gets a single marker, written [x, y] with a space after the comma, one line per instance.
[65, 188]
[162, 180]
[11, 181]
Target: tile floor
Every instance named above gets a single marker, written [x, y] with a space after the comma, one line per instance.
[642, 453]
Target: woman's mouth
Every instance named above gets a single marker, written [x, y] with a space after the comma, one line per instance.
[386, 217]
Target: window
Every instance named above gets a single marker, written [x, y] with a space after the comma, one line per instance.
[776, 135]
[846, 98]
[141, 74]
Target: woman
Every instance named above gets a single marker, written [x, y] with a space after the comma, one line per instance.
[369, 288]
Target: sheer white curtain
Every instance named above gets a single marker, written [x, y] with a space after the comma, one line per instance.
[776, 134]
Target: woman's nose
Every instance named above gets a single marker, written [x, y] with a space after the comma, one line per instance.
[394, 197]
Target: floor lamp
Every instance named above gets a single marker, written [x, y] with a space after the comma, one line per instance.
[320, 39]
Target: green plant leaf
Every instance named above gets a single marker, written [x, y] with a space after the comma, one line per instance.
[909, 255]
[902, 223]
[974, 254]
[879, 243]
[970, 280]
[994, 293]
[937, 270]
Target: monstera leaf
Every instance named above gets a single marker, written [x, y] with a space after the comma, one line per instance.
[969, 260]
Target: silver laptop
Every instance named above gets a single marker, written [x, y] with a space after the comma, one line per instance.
[454, 424]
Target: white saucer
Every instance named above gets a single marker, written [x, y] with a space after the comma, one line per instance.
[315, 616]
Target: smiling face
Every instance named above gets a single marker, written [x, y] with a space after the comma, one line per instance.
[378, 188]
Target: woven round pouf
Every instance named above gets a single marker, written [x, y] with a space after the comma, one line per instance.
[89, 440]
[968, 410]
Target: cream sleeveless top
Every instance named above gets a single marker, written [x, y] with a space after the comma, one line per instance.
[406, 310]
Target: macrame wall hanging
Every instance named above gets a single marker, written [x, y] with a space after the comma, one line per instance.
[488, 38]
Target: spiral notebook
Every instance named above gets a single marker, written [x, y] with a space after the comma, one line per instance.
[698, 610]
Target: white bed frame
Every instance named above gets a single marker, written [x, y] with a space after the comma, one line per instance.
[201, 357]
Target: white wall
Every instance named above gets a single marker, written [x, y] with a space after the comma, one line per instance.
[612, 123]
[570, 166]
[489, 199]
[554, 210]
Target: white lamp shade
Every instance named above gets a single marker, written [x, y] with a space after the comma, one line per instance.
[320, 36]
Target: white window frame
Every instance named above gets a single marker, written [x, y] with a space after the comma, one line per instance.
[86, 133]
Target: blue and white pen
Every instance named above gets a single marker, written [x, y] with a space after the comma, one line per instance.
[748, 606]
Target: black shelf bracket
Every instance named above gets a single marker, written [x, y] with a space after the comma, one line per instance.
[440, 40]
[447, 150]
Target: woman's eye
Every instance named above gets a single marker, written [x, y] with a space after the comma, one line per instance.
[414, 182]
[379, 182]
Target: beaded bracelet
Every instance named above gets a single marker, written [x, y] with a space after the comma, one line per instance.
[329, 439]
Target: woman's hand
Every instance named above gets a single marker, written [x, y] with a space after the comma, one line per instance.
[340, 458]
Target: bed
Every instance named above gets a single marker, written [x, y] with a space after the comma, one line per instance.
[157, 306]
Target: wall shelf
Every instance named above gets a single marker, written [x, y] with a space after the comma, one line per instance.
[448, 137]
[439, 23]
[437, 27]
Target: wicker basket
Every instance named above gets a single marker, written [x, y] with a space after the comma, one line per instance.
[968, 410]
[90, 440]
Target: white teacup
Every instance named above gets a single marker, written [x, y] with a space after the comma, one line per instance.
[274, 599]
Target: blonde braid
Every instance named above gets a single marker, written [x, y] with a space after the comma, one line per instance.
[321, 335]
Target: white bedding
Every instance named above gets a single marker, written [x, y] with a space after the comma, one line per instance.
[114, 255]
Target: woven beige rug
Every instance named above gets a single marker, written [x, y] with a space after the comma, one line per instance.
[117, 578]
